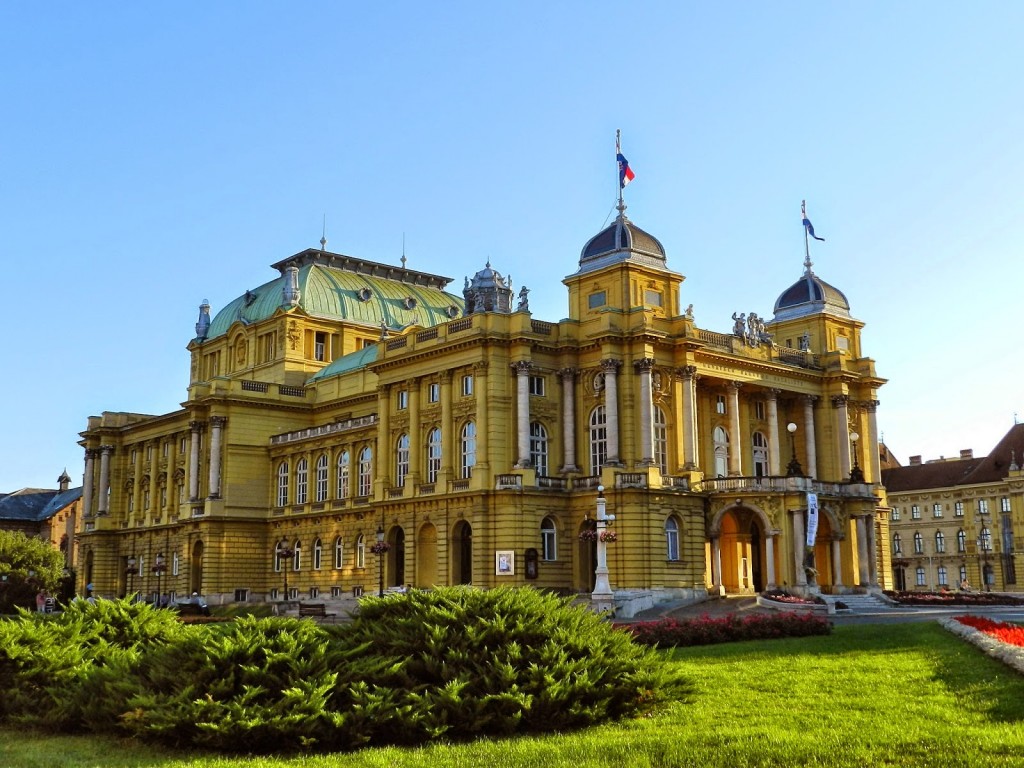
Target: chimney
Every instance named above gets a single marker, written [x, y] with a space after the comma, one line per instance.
[915, 460]
[967, 453]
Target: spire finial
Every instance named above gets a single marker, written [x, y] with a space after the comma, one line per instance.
[403, 250]
[323, 237]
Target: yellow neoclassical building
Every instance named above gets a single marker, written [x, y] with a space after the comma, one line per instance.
[346, 401]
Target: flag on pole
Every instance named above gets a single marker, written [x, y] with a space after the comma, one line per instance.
[807, 222]
[626, 174]
[812, 518]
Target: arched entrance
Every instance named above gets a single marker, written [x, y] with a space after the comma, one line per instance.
[195, 576]
[462, 553]
[397, 556]
[426, 556]
[742, 563]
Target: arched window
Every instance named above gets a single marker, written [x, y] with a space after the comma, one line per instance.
[339, 553]
[986, 540]
[360, 552]
[660, 440]
[760, 444]
[321, 478]
[598, 439]
[961, 541]
[468, 453]
[918, 543]
[548, 539]
[897, 545]
[940, 542]
[301, 481]
[365, 471]
[433, 454]
[344, 474]
[720, 438]
[297, 557]
[539, 448]
[277, 557]
[282, 484]
[401, 460]
[318, 554]
[672, 539]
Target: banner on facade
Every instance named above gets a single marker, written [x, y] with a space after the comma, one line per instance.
[812, 518]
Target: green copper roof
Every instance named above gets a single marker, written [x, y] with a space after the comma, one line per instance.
[342, 288]
[350, 362]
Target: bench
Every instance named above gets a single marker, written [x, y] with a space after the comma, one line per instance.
[313, 611]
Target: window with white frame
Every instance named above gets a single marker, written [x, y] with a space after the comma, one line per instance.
[401, 460]
[720, 440]
[918, 543]
[982, 506]
[539, 448]
[322, 473]
[548, 540]
[318, 554]
[278, 559]
[302, 482]
[915, 512]
[897, 544]
[344, 474]
[963, 573]
[672, 539]
[537, 386]
[1004, 504]
[720, 404]
[958, 509]
[297, 556]
[433, 454]
[467, 385]
[986, 540]
[314, 593]
[936, 510]
[660, 440]
[241, 595]
[943, 577]
[468, 450]
[282, 484]
[940, 542]
[175, 563]
[360, 552]
[339, 553]
[760, 448]
[403, 399]
[920, 576]
[598, 439]
[894, 514]
[759, 410]
[365, 471]
[961, 541]
[433, 392]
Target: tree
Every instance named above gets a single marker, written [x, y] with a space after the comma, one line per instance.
[27, 565]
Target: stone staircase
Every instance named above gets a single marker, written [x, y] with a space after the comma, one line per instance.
[863, 603]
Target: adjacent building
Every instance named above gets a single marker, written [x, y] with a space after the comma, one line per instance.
[347, 402]
[48, 514]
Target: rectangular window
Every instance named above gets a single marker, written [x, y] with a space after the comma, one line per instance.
[241, 595]
[759, 410]
[149, 453]
[403, 399]
[166, 446]
[537, 386]
[335, 591]
[467, 386]
[1004, 504]
[920, 577]
[433, 393]
[596, 300]
[915, 512]
[895, 514]
[720, 404]
[320, 346]
[266, 347]
[274, 595]
[958, 509]
[314, 593]
[936, 510]
[982, 506]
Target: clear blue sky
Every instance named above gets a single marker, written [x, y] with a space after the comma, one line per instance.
[153, 155]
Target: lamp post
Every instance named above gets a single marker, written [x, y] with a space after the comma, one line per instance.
[130, 572]
[856, 475]
[602, 598]
[793, 469]
[984, 546]
[285, 553]
[380, 560]
[158, 568]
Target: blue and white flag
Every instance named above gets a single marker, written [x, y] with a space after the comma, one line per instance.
[812, 518]
[807, 222]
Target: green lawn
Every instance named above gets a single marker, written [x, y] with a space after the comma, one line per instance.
[883, 695]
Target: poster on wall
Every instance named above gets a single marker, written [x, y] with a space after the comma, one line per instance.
[504, 563]
[812, 518]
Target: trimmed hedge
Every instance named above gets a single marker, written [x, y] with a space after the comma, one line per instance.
[670, 633]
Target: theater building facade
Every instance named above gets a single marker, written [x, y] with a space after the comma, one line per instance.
[347, 401]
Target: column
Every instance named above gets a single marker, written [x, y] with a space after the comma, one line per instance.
[193, 460]
[216, 437]
[140, 471]
[837, 562]
[611, 404]
[447, 427]
[103, 507]
[716, 562]
[869, 525]
[798, 548]
[769, 561]
[90, 455]
[862, 552]
[482, 420]
[644, 367]
[774, 456]
[839, 402]
[154, 477]
[522, 369]
[568, 377]
[874, 474]
[735, 443]
[385, 449]
[689, 376]
[809, 438]
[416, 435]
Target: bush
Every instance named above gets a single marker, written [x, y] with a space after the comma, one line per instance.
[669, 633]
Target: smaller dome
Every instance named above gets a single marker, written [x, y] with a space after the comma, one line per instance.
[621, 241]
[811, 295]
[488, 291]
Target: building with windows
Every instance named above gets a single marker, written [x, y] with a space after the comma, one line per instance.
[347, 402]
[952, 521]
[43, 513]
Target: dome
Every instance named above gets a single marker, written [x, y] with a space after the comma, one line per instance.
[339, 287]
[622, 241]
[810, 295]
[488, 291]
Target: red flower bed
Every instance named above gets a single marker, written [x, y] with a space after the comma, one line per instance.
[668, 633]
[953, 598]
[1000, 630]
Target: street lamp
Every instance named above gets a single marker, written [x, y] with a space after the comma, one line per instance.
[380, 549]
[984, 546]
[130, 572]
[159, 568]
[285, 553]
[793, 469]
[856, 475]
[602, 598]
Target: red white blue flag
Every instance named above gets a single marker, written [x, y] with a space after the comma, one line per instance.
[626, 174]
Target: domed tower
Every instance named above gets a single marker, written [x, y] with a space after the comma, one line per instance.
[488, 291]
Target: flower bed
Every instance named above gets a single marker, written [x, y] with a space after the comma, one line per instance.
[668, 633]
[783, 600]
[997, 639]
[953, 598]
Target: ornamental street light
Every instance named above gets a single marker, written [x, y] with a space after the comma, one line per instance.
[856, 475]
[159, 568]
[984, 547]
[130, 572]
[793, 469]
[602, 598]
[285, 553]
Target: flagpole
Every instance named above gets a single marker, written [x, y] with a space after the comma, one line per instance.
[618, 174]
[807, 242]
